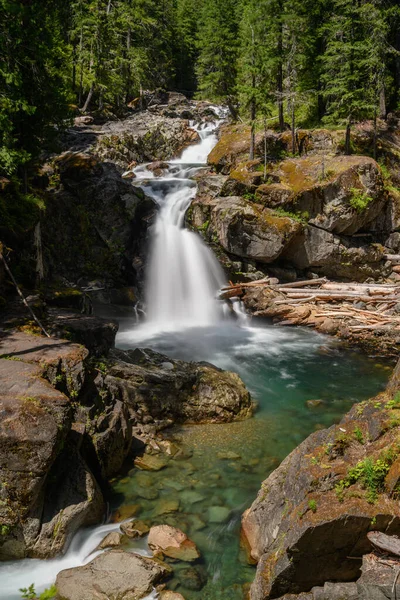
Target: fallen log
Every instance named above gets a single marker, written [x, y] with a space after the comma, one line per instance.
[295, 284]
[382, 541]
[392, 257]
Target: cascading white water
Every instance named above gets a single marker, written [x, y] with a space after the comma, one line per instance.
[42, 573]
[184, 277]
[183, 282]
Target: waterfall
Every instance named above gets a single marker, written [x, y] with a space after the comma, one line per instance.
[184, 276]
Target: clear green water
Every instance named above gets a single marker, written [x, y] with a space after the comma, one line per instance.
[283, 368]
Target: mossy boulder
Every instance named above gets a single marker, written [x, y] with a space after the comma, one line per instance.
[244, 228]
[342, 194]
[152, 384]
[310, 521]
[244, 179]
[47, 490]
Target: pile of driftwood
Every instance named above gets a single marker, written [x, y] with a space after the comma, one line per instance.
[360, 305]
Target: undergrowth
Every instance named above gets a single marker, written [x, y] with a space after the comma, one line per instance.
[359, 200]
[369, 474]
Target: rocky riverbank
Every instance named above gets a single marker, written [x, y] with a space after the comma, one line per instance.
[308, 526]
[320, 211]
[74, 413]
[92, 229]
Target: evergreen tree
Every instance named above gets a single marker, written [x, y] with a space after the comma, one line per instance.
[33, 96]
[255, 93]
[186, 56]
[217, 44]
[346, 74]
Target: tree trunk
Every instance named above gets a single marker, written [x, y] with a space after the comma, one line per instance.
[280, 97]
[232, 109]
[293, 129]
[81, 69]
[74, 66]
[252, 139]
[397, 65]
[375, 132]
[382, 103]
[265, 148]
[88, 99]
[280, 74]
[347, 148]
[39, 254]
[128, 69]
[253, 99]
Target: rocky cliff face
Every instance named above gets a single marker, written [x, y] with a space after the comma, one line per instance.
[310, 520]
[95, 222]
[321, 212]
[70, 417]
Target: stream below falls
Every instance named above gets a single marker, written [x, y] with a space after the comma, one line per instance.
[206, 489]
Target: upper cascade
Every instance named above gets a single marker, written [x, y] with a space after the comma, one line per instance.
[184, 276]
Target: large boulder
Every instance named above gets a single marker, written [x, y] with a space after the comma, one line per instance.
[341, 194]
[310, 521]
[336, 256]
[115, 575]
[95, 223]
[155, 387]
[48, 490]
[243, 228]
[146, 137]
[35, 421]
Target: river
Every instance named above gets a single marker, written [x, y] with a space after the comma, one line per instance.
[301, 381]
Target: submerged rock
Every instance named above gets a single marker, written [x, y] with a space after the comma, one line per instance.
[172, 542]
[170, 595]
[149, 462]
[218, 514]
[135, 529]
[114, 575]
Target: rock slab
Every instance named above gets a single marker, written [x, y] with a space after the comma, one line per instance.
[114, 575]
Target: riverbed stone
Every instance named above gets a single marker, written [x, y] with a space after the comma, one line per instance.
[150, 462]
[165, 506]
[170, 595]
[114, 574]
[192, 578]
[218, 514]
[112, 540]
[135, 528]
[173, 543]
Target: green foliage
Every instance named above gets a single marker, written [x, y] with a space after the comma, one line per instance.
[299, 217]
[217, 44]
[358, 434]
[312, 505]
[5, 529]
[33, 98]
[359, 200]
[19, 211]
[30, 594]
[369, 474]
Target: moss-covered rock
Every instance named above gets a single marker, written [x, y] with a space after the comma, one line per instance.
[249, 230]
[342, 194]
